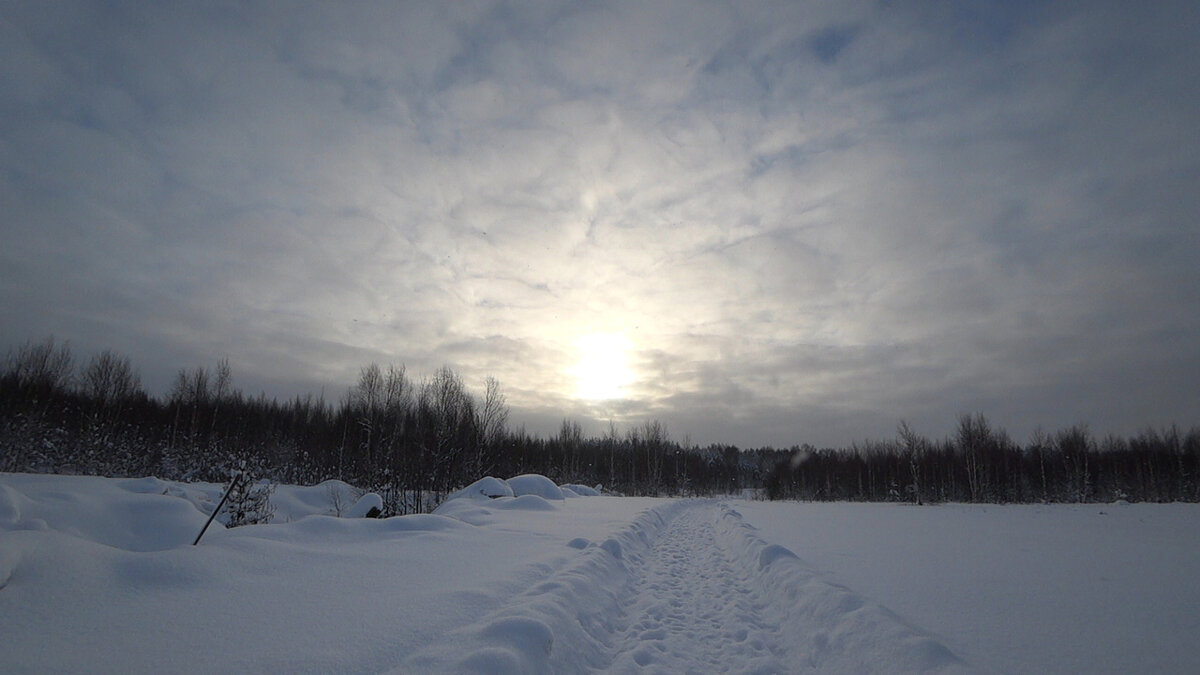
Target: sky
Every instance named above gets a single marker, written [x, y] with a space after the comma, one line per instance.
[760, 223]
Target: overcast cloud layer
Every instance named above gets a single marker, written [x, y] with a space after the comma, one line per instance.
[809, 219]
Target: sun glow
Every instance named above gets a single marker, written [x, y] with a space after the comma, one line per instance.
[602, 372]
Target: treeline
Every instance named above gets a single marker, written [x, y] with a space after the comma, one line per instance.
[980, 463]
[412, 442]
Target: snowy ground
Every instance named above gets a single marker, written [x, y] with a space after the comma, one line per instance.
[99, 575]
[1087, 588]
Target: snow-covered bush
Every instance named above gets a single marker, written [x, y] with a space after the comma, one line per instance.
[339, 497]
[249, 502]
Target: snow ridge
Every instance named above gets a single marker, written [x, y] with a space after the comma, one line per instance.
[686, 587]
[836, 629]
[561, 624]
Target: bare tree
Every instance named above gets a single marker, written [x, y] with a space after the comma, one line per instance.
[1039, 443]
[611, 440]
[366, 403]
[448, 413]
[655, 439]
[109, 378]
[493, 420]
[190, 390]
[1075, 447]
[42, 368]
[221, 388]
[110, 382]
[974, 437]
[570, 441]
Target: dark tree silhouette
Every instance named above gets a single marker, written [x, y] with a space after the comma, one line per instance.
[412, 444]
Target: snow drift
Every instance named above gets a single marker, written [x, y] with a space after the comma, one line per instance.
[535, 484]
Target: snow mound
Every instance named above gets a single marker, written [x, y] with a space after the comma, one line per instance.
[484, 488]
[535, 484]
[475, 503]
[328, 498]
[10, 506]
[521, 644]
[613, 547]
[581, 490]
[100, 510]
[772, 553]
[365, 504]
[527, 485]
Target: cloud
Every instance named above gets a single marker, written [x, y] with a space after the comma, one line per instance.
[810, 220]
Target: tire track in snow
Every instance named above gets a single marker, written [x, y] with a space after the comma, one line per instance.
[692, 611]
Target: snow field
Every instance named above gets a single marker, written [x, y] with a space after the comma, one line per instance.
[99, 575]
[1063, 588]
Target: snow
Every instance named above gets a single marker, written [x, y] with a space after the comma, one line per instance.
[533, 484]
[365, 506]
[1017, 588]
[487, 487]
[580, 490]
[99, 575]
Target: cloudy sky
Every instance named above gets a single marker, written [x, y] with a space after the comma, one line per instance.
[758, 222]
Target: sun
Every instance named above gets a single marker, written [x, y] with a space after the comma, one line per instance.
[602, 372]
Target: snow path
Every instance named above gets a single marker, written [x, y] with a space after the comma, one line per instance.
[692, 611]
[687, 587]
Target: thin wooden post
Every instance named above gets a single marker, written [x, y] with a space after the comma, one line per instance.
[236, 479]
